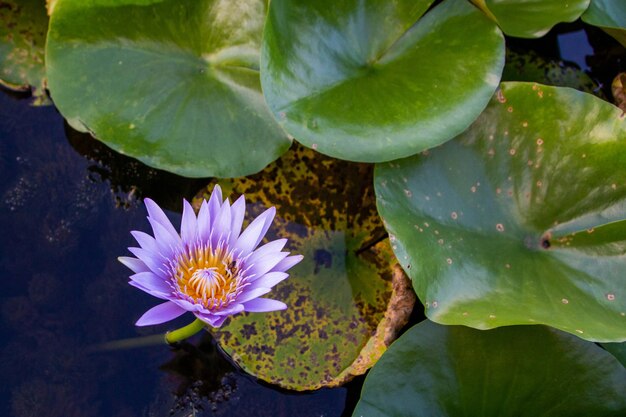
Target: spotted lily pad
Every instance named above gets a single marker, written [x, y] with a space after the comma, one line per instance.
[521, 219]
[341, 314]
[375, 81]
[173, 84]
[437, 370]
[531, 18]
[23, 27]
[610, 15]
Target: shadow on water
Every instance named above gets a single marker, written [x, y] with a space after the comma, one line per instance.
[129, 179]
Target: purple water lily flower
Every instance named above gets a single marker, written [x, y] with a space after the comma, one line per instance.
[211, 268]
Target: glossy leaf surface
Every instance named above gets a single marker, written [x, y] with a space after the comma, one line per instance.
[531, 18]
[610, 15]
[435, 370]
[521, 219]
[174, 84]
[338, 297]
[374, 81]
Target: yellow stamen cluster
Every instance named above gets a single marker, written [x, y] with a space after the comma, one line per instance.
[208, 276]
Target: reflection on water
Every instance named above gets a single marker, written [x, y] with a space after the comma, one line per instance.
[64, 219]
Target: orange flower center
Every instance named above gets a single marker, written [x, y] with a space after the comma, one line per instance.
[208, 276]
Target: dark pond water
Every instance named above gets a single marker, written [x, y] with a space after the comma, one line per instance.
[67, 204]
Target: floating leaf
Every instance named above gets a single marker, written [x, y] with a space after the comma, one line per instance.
[610, 15]
[521, 219]
[376, 81]
[437, 370]
[23, 27]
[531, 18]
[341, 313]
[173, 84]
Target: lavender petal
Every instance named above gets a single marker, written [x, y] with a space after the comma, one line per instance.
[266, 264]
[154, 293]
[252, 294]
[215, 202]
[155, 212]
[160, 314]
[268, 280]
[255, 231]
[262, 305]
[238, 212]
[271, 247]
[204, 222]
[221, 224]
[287, 263]
[133, 264]
[151, 281]
[188, 224]
[151, 260]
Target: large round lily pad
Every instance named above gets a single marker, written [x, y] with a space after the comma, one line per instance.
[533, 371]
[375, 81]
[610, 15]
[23, 27]
[531, 18]
[172, 83]
[521, 219]
[341, 314]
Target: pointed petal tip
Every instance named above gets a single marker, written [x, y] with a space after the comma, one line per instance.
[133, 264]
[160, 314]
[264, 305]
[297, 259]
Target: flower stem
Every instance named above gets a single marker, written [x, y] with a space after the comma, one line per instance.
[184, 332]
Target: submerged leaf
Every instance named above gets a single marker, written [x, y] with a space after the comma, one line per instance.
[23, 27]
[529, 66]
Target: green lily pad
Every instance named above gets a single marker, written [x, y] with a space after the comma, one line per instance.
[23, 27]
[531, 18]
[173, 84]
[437, 370]
[376, 81]
[610, 15]
[341, 313]
[618, 350]
[521, 219]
